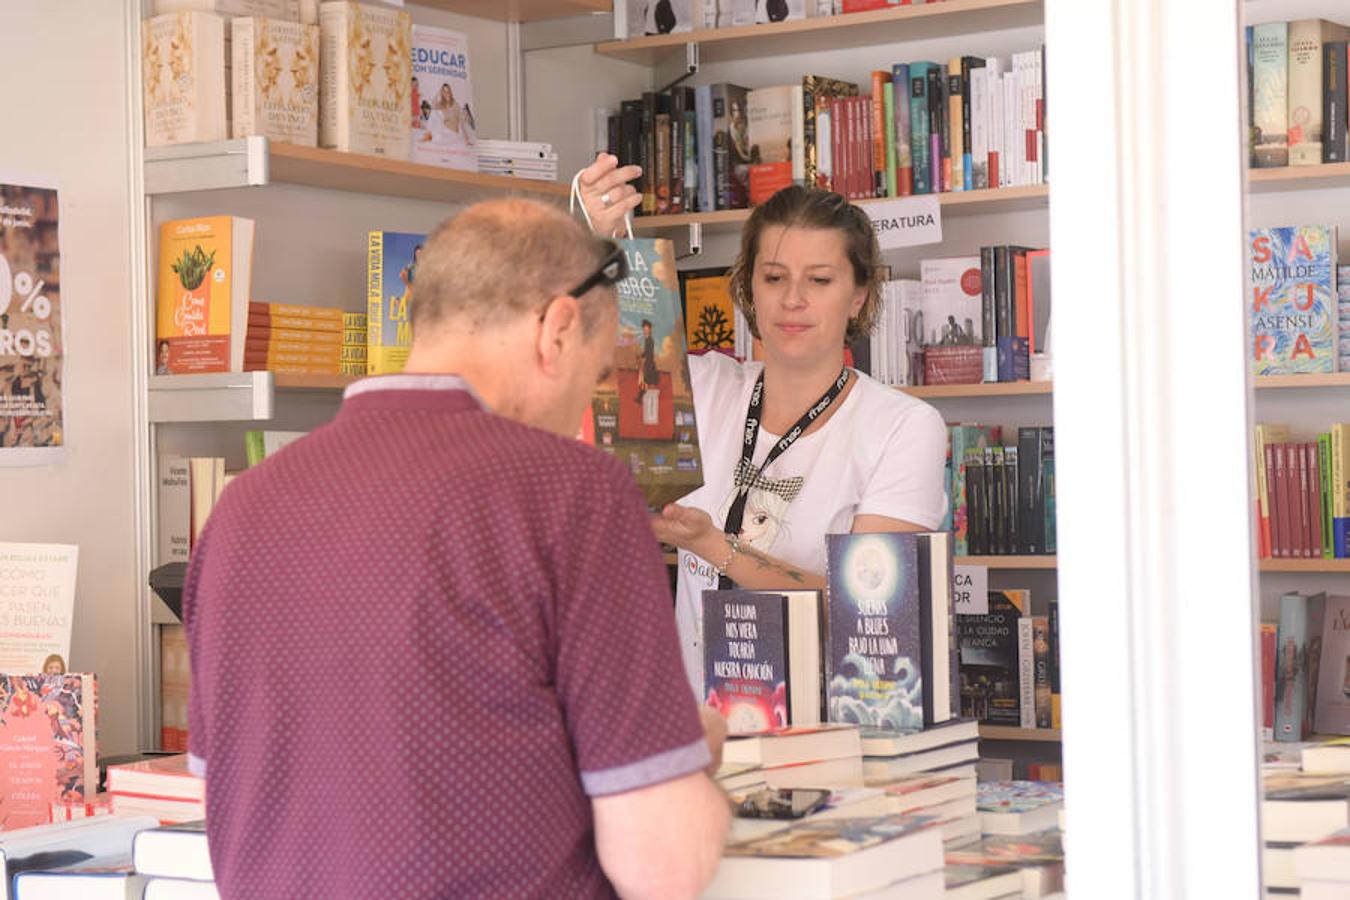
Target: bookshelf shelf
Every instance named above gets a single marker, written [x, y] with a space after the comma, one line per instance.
[1008, 733]
[900, 23]
[1001, 389]
[1048, 561]
[1280, 382]
[521, 10]
[1305, 565]
[963, 203]
[1298, 178]
[230, 396]
[255, 161]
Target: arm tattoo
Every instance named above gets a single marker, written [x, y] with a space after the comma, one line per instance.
[768, 563]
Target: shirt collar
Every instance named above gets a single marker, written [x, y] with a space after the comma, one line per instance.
[412, 382]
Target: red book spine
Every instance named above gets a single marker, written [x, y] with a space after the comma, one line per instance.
[1316, 538]
[1301, 500]
[837, 161]
[852, 151]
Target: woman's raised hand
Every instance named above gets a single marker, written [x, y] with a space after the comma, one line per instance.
[608, 195]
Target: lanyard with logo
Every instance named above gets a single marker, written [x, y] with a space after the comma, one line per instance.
[749, 475]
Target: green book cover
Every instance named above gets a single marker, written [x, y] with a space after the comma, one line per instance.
[254, 449]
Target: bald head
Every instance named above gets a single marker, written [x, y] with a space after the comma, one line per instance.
[501, 259]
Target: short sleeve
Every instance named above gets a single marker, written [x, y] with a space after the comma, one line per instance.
[627, 705]
[907, 483]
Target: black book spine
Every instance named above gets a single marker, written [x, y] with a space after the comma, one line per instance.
[936, 117]
[677, 126]
[690, 150]
[975, 505]
[968, 63]
[1045, 495]
[987, 279]
[1030, 525]
[1333, 102]
[1011, 492]
[612, 144]
[630, 140]
[1003, 293]
[993, 482]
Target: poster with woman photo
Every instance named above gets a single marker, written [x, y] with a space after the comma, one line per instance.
[442, 100]
[32, 340]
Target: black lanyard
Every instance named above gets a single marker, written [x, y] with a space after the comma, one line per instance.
[752, 416]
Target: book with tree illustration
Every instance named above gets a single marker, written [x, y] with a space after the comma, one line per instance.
[203, 291]
[709, 312]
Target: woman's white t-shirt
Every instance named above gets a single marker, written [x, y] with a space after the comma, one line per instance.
[881, 453]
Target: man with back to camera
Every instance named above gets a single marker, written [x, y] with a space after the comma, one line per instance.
[432, 648]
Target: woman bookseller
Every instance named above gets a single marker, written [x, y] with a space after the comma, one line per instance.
[832, 451]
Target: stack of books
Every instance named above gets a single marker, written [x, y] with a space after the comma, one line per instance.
[1322, 868]
[897, 856]
[1037, 858]
[161, 787]
[294, 339]
[1298, 808]
[1019, 807]
[521, 159]
[814, 756]
[354, 349]
[930, 773]
[175, 862]
[87, 858]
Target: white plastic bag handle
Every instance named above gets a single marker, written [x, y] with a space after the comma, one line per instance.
[575, 200]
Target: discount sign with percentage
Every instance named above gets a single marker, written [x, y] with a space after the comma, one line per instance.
[31, 364]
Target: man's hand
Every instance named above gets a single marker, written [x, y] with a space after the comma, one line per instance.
[715, 732]
[607, 194]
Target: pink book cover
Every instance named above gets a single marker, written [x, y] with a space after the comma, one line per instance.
[48, 744]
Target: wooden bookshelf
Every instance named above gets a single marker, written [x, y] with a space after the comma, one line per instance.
[899, 23]
[1281, 382]
[1305, 565]
[996, 389]
[1047, 561]
[521, 10]
[962, 203]
[1298, 178]
[255, 161]
[1008, 733]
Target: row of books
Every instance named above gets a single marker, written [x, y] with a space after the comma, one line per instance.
[348, 76]
[207, 320]
[636, 18]
[968, 125]
[1302, 497]
[879, 654]
[1001, 499]
[1305, 667]
[1300, 302]
[1305, 816]
[1009, 663]
[518, 159]
[1296, 72]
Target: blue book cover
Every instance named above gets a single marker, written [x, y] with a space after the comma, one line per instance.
[874, 647]
[391, 267]
[918, 126]
[1298, 655]
[745, 659]
[1293, 303]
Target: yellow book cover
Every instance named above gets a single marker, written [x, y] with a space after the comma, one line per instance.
[710, 314]
[354, 321]
[202, 295]
[391, 265]
[183, 61]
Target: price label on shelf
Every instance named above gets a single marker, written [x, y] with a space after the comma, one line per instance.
[907, 222]
[970, 590]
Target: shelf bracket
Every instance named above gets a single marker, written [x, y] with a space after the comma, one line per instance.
[690, 66]
[695, 241]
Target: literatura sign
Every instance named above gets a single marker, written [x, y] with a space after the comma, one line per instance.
[907, 222]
